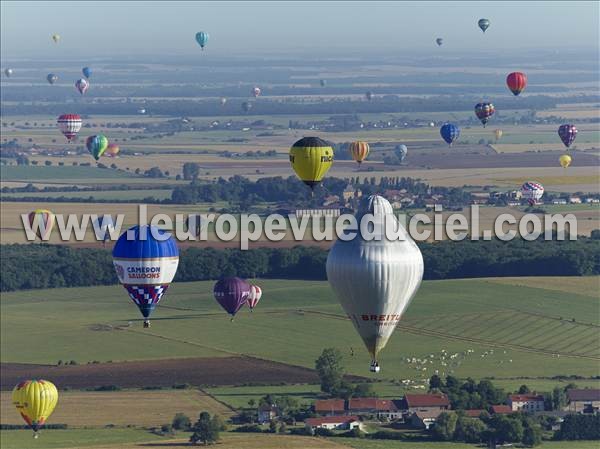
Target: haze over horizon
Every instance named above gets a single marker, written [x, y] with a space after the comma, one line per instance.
[346, 29]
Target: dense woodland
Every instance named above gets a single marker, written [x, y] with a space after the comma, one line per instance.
[33, 266]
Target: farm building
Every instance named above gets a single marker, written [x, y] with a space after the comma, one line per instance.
[382, 408]
[413, 403]
[500, 410]
[334, 423]
[266, 413]
[526, 402]
[424, 419]
[474, 413]
[330, 407]
[583, 400]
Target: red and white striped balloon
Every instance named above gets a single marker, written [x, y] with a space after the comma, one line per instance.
[69, 125]
[254, 296]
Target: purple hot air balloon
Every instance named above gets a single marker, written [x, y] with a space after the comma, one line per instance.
[232, 294]
[567, 134]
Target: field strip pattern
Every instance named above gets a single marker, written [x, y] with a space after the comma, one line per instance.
[508, 329]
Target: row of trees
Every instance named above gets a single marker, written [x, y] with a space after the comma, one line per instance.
[32, 266]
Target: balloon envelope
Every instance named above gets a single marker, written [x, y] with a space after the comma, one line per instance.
[52, 78]
[311, 159]
[359, 151]
[146, 264]
[8, 72]
[254, 296]
[87, 72]
[439, 41]
[35, 401]
[323, 83]
[484, 111]
[449, 133]
[484, 24]
[112, 150]
[69, 125]
[256, 91]
[41, 222]
[565, 160]
[82, 86]
[202, 38]
[516, 82]
[96, 145]
[369, 95]
[375, 279]
[56, 38]
[567, 134]
[532, 191]
[401, 151]
[231, 293]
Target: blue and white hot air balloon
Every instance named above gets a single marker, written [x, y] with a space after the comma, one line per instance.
[146, 263]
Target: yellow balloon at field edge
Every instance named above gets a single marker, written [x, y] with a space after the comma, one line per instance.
[35, 401]
[565, 160]
[359, 151]
[311, 159]
[498, 134]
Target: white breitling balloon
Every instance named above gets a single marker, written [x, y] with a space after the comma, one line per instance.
[375, 279]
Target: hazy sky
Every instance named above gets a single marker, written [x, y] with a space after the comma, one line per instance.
[326, 28]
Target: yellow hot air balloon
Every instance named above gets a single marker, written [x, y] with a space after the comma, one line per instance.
[498, 134]
[56, 38]
[41, 222]
[359, 151]
[311, 159]
[35, 401]
[112, 150]
[565, 160]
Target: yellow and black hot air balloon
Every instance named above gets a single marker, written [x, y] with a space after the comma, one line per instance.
[35, 401]
[565, 160]
[311, 159]
[359, 151]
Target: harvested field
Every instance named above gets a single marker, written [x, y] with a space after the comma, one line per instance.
[161, 373]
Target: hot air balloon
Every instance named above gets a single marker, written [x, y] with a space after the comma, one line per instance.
[497, 134]
[532, 192]
[41, 222]
[369, 95]
[82, 86]
[223, 101]
[231, 293]
[8, 72]
[516, 82]
[401, 151]
[141, 111]
[359, 151]
[103, 227]
[87, 72]
[375, 279]
[112, 150]
[484, 111]
[484, 24]
[565, 160]
[255, 91]
[311, 159]
[35, 400]
[254, 296]
[202, 38]
[194, 224]
[439, 41]
[146, 263]
[52, 78]
[56, 38]
[69, 125]
[567, 134]
[449, 133]
[246, 106]
[96, 145]
[323, 83]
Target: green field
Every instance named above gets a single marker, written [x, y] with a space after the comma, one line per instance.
[380, 444]
[43, 173]
[105, 195]
[513, 330]
[73, 438]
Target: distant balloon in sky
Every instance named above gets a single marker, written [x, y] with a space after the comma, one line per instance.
[516, 82]
[565, 160]
[497, 134]
[82, 86]
[52, 78]
[246, 106]
[41, 221]
[532, 192]
[311, 159]
[375, 279]
[449, 133]
[567, 134]
[56, 38]
[484, 112]
[256, 91]
[8, 72]
[112, 150]
[231, 293]
[484, 24]
[369, 95]
[401, 151]
[202, 39]
[69, 125]
[323, 83]
[359, 151]
[223, 101]
[141, 111]
[439, 41]
[87, 72]
[96, 145]
[146, 263]
[35, 401]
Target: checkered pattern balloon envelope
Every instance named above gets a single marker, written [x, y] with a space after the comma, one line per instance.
[146, 297]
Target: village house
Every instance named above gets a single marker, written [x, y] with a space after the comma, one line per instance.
[526, 402]
[267, 413]
[583, 400]
[500, 410]
[474, 413]
[330, 407]
[424, 419]
[350, 193]
[575, 200]
[382, 408]
[413, 403]
[334, 423]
